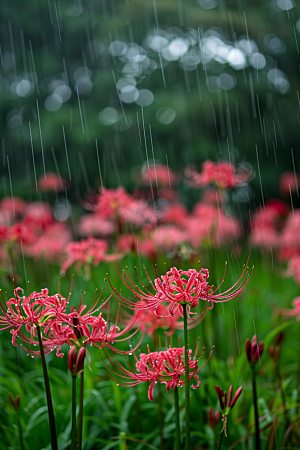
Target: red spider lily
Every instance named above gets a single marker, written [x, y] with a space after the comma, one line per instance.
[254, 350]
[89, 251]
[81, 328]
[165, 366]
[222, 174]
[178, 287]
[76, 360]
[36, 309]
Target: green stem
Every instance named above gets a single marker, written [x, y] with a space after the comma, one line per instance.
[74, 431]
[257, 438]
[80, 416]
[187, 382]
[160, 417]
[48, 393]
[20, 432]
[177, 420]
[220, 441]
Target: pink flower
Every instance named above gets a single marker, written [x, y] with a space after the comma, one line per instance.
[95, 225]
[294, 268]
[52, 182]
[177, 287]
[293, 312]
[17, 206]
[51, 243]
[167, 367]
[36, 309]
[158, 173]
[90, 251]
[221, 174]
[289, 183]
[175, 214]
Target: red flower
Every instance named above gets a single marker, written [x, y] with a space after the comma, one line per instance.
[178, 287]
[165, 366]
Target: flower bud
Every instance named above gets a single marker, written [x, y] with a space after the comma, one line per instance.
[75, 361]
[14, 403]
[213, 418]
[254, 350]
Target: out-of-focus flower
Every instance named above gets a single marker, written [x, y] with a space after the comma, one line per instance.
[293, 269]
[221, 174]
[89, 251]
[158, 174]
[227, 406]
[167, 238]
[118, 205]
[266, 224]
[15, 206]
[51, 244]
[213, 418]
[38, 213]
[295, 312]
[290, 236]
[178, 287]
[15, 403]
[289, 183]
[175, 214]
[165, 366]
[254, 350]
[52, 182]
[95, 225]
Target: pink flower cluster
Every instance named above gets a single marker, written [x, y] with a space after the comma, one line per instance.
[223, 175]
[166, 367]
[82, 327]
[31, 228]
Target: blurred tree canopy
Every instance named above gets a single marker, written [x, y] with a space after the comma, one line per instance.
[180, 81]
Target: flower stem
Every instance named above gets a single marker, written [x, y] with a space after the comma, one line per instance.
[160, 417]
[187, 381]
[257, 438]
[74, 431]
[80, 415]
[48, 393]
[177, 420]
[220, 441]
[20, 431]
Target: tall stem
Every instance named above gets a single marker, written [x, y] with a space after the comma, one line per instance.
[177, 421]
[160, 417]
[257, 438]
[187, 382]
[48, 393]
[80, 415]
[74, 431]
[220, 441]
[20, 431]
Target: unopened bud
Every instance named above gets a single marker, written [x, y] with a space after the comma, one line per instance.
[14, 403]
[75, 361]
[254, 350]
[213, 418]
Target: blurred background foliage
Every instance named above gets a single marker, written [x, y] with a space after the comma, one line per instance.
[180, 81]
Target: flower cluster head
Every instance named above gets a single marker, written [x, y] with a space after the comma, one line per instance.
[225, 405]
[223, 175]
[26, 315]
[213, 418]
[178, 287]
[254, 350]
[167, 367]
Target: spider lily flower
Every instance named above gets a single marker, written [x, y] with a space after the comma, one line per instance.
[36, 309]
[177, 287]
[167, 367]
[225, 405]
[254, 350]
